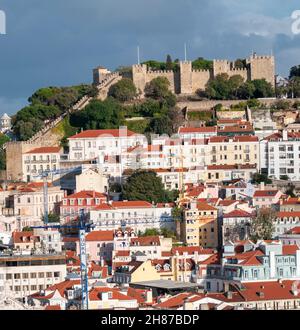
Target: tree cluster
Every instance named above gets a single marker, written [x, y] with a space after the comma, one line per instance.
[147, 186]
[47, 104]
[99, 115]
[224, 87]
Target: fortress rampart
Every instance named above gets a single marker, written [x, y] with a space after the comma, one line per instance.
[188, 81]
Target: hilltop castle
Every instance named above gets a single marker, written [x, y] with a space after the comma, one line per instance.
[188, 81]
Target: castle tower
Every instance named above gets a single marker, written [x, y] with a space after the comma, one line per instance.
[139, 76]
[262, 67]
[99, 74]
[220, 67]
[186, 81]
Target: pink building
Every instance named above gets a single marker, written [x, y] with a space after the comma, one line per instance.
[265, 198]
[99, 245]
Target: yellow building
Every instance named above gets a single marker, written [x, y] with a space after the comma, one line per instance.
[240, 150]
[200, 225]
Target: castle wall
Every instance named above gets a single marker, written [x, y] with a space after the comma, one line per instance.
[14, 152]
[200, 78]
[170, 75]
[188, 81]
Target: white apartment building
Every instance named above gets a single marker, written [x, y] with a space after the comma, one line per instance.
[39, 160]
[24, 275]
[280, 155]
[94, 144]
[107, 147]
[29, 202]
[197, 132]
[138, 215]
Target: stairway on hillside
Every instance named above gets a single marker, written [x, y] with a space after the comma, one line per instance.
[103, 89]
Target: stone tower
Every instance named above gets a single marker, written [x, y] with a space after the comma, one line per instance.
[186, 77]
[99, 74]
[220, 67]
[139, 76]
[262, 67]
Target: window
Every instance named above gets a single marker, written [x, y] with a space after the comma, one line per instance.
[49, 274]
[41, 275]
[8, 276]
[32, 275]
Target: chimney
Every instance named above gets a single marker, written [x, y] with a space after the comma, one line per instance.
[229, 294]
[102, 262]
[149, 297]
[284, 135]
[193, 205]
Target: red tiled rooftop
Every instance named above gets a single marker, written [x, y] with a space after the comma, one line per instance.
[288, 214]
[185, 130]
[103, 235]
[45, 150]
[237, 214]
[265, 193]
[102, 133]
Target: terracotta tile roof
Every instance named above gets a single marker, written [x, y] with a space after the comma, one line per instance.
[191, 250]
[63, 286]
[288, 214]
[97, 268]
[95, 294]
[139, 294]
[205, 207]
[101, 133]
[231, 167]
[248, 258]
[53, 308]
[131, 204]
[237, 214]
[227, 202]
[103, 235]
[222, 139]
[86, 194]
[24, 237]
[122, 253]
[174, 302]
[271, 291]
[294, 231]
[215, 259]
[70, 239]
[45, 150]
[265, 193]
[145, 241]
[185, 130]
[289, 249]
[291, 201]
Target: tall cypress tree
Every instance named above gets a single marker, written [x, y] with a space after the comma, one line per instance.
[169, 63]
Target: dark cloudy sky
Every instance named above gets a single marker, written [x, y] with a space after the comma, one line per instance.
[58, 42]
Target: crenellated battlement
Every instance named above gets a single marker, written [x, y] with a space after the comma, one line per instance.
[201, 71]
[160, 71]
[188, 80]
